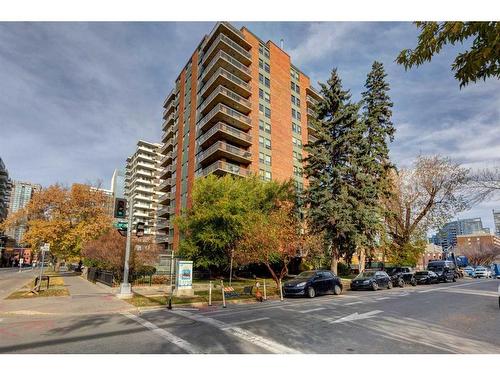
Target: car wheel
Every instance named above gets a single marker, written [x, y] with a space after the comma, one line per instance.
[454, 279]
[337, 290]
[414, 282]
[389, 285]
[311, 292]
[374, 286]
[401, 283]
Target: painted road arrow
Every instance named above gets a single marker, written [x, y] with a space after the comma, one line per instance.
[356, 316]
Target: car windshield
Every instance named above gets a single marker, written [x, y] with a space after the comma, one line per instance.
[480, 269]
[435, 268]
[306, 274]
[421, 273]
[365, 275]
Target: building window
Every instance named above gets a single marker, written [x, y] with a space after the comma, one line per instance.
[267, 82]
[267, 68]
[296, 128]
[264, 159]
[296, 142]
[261, 108]
[267, 112]
[267, 97]
[261, 141]
[261, 93]
[297, 171]
[265, 175]
[297, 156]
[261, 63]
[264, 126]
[261, 78]
[267, 143]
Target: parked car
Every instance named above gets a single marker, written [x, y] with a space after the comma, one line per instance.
[313, 283]
[482, 272]
[495, 268]
[426, 277]
[469, 271]
[400, 276]
[445, 270]
[372, 280]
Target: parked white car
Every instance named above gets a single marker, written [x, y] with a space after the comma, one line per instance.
[482, 272]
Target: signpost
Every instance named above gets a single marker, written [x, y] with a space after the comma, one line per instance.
[45, 249]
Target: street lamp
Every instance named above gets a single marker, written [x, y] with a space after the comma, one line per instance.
[125, 287]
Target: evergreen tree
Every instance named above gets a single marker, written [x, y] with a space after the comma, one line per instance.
[373, 156]
[331, 167]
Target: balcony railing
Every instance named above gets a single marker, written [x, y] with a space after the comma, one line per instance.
[162, 223]
[227, 93]
[221, 72]
[224, 167]
[242, 154]
[246, 56]
[222, 127]
[224, 109]
[165, 210]
[311, 100]
[170, 96]
[311, 113]
[168, 145]
[166, 159]
[165, 183]
[231, 60]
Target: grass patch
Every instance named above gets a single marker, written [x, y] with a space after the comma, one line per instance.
[56, 289]
[61, 292]
[140, 300]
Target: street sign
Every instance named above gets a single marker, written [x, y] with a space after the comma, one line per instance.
[45, 248]
[120, 225]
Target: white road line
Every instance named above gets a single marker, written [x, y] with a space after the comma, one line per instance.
[249, 321]
[382, 298]
[473, 292]
[448, 287]
[352, 303]
[183, 344]
[311, 310]
[267, 344]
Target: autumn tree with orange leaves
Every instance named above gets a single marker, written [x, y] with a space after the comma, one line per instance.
[66, 218]
[274, 239]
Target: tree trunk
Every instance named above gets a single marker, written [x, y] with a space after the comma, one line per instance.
[361, 260]
[335, 262]
[273, 275]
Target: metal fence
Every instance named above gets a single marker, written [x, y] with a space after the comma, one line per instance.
[101, 276]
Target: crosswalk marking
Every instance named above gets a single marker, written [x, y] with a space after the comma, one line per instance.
[249, 321]
[183, 344]
[311, 310]
[265, 343]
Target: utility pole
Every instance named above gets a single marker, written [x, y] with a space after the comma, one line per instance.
[171, 280]
[125, 287]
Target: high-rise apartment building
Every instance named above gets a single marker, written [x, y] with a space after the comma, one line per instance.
[496, 220]
[239, 106]
[5, 187]
[447, 236]
[141, 185]
[20, 196]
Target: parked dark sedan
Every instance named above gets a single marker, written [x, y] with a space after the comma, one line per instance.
[372, 280]
[426, 277]
[445, 270]
[401, 276]
[313, 283]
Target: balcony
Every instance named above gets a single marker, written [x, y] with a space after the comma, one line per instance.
[225, 114]
[146, 165]
[167, 146]
[169, 121]
[222, 59]
[223, 131]
[161, 239]
[311, 128]
[311, 113]
[227, 97]
[169, 98]
[166, 184]
[224, 78]
[315, 95]
[221, 168]
[165, 199]
[162, 224]
[166, 160]
[169, 132]
[142, 206]
[312, 138]
[223, 150]
[226, 44]
[170, 109]
[165, 211]
[311, 100]
[230, 31]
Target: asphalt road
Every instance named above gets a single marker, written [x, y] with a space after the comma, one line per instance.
[11, 279]
[462, 317]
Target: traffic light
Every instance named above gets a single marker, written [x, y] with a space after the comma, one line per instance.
[139, 229]
[120, 208]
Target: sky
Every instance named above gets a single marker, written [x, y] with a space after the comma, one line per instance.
[76, 97]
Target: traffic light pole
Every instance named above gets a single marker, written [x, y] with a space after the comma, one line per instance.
[125, 287]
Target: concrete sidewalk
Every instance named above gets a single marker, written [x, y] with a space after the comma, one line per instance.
[85, 298]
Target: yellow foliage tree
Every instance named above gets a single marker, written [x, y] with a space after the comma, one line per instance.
[65, 218]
